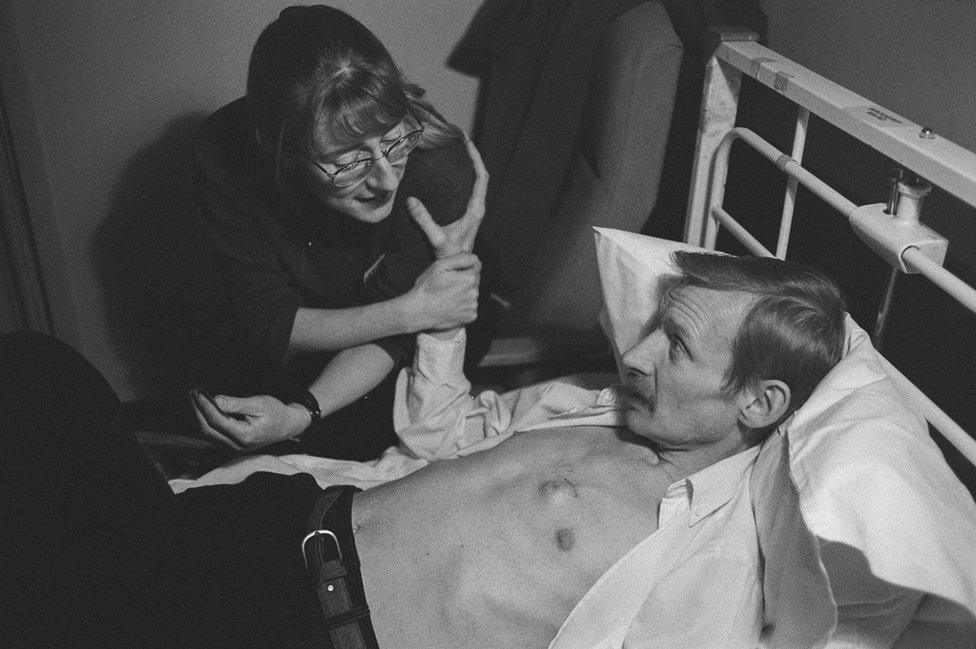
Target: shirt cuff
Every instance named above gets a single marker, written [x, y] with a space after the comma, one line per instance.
[440, 359]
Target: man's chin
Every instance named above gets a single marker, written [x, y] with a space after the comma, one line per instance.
[638, 419]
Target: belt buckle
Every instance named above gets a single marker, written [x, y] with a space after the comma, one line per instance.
[319, 534]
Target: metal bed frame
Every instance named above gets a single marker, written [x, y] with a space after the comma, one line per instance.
[891, 229]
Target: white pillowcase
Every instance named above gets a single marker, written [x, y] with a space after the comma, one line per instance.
[855, 468]
[632, 271]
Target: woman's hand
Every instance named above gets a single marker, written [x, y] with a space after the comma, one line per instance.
[248, 423]
[446, 294]
[457, 236]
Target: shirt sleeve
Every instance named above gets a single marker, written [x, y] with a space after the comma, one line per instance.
[433, 412]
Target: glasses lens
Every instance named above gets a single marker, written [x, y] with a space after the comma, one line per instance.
[352, 173]
[403, 146]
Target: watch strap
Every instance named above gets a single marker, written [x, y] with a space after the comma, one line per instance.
[310, 403]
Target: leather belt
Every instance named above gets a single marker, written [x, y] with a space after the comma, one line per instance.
[346, 621]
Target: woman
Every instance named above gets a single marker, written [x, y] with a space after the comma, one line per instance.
[324, 276]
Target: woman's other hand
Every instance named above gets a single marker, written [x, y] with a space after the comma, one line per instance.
[248, 423]
[458, 236]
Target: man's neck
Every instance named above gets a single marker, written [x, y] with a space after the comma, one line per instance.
[681, 463]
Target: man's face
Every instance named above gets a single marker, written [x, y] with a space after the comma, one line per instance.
[676, 374]
[371, 199]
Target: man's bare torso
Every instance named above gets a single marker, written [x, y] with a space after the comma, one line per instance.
[495, 549]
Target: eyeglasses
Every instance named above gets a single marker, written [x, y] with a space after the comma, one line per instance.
[350, 174]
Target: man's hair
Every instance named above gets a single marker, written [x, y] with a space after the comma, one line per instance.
[794, 329]
[317, 64]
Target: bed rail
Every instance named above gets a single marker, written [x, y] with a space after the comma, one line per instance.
[891, 229]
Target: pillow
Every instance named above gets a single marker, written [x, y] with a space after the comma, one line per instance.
[896, 528]
[632, 269]
[857, 512]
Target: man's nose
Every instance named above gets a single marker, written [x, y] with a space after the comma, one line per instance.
[642, 356]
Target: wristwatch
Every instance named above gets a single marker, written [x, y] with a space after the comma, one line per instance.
[307, 400]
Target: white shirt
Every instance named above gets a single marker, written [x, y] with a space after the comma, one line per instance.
[695, 582]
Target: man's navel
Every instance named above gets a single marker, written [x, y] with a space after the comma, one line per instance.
[565, 539]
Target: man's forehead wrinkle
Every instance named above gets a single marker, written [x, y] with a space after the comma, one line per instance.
[688, 314]
[701, 312]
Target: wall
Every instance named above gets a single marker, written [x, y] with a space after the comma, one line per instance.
[915, 58]
[106, 93]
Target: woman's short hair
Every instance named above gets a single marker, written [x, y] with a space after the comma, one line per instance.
[794, 330]
[316, 63]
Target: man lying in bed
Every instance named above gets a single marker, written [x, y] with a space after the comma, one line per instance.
[495, 549]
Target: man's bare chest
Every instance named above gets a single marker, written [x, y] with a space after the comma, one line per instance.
[515, 536]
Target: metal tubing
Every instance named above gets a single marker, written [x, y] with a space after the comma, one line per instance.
[720, 103]
[958, 289]
[881, 324]
[787, 165]
[946, 426]
[740, 233]
[932, 157]
[789, 200]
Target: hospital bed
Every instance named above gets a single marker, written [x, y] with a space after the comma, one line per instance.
[892, 229]
[864, 529]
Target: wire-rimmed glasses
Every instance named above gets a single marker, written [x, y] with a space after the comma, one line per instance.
[349, 174]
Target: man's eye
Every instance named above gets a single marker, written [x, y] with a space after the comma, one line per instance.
[675, 348]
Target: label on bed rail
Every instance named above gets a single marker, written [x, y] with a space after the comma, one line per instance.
[877, 116]
[755, 65]
[782, 81]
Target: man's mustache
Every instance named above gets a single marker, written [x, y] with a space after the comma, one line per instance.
[635, 389]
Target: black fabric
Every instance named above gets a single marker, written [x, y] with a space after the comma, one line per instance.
[535, 61]
[96, 551]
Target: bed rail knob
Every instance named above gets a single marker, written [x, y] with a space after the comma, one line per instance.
[911, 191]
[890, 236]
[892, 206]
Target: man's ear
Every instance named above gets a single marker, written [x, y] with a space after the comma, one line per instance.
[764, 404]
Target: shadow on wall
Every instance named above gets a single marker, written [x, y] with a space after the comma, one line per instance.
[148, 257]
